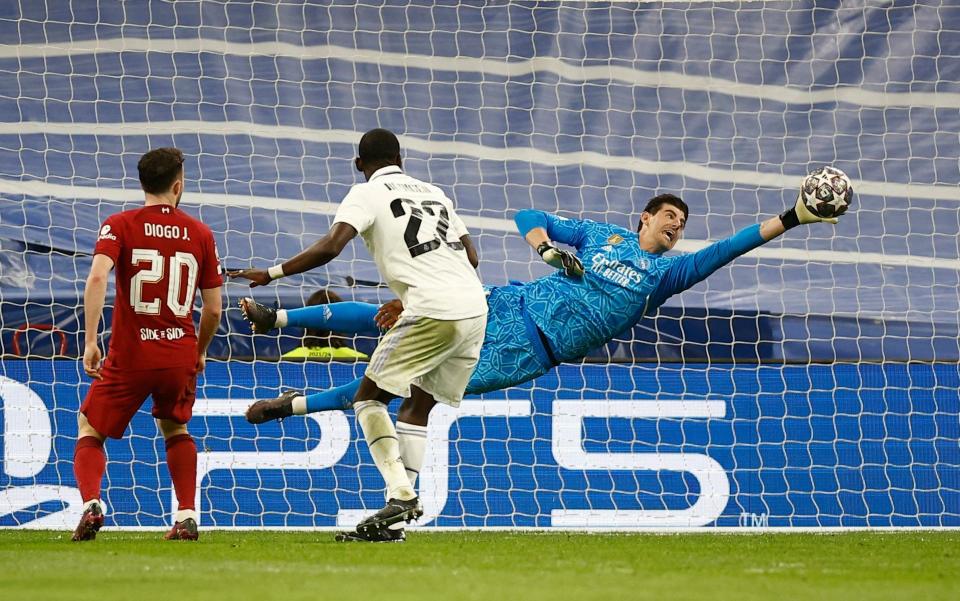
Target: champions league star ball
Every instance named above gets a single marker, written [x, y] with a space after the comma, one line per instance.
[827, 192]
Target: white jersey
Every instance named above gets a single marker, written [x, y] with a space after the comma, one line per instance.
[413, 233]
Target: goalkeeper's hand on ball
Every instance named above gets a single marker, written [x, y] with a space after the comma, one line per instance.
[561, 259]
[825, 194]
[800, 214]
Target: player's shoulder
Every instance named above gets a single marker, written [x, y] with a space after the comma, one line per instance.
[622, 232]
[361, 191]
[194, 222]
[433, 188]
[592, 226]
[184, 215]
[125, 216]
[121, 224]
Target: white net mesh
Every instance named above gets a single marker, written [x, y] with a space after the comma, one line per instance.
[811, 383]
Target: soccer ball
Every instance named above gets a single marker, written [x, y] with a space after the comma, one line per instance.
[827, 192]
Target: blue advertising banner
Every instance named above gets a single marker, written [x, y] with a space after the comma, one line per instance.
[587, 446]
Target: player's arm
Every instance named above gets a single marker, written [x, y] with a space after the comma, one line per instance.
[695, 267]
[94, 297]
[459, 229]
[472, 255]
[319, 253]
[540, 230]
[210, 315]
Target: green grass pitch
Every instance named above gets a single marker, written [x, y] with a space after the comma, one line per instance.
[481, 565]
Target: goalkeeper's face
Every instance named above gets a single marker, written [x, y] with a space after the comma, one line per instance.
[660, 231]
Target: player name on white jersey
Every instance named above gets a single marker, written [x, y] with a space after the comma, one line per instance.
[405, 187]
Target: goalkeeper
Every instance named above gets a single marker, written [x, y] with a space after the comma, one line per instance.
[614, 279]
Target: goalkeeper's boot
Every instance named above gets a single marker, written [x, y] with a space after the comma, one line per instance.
[267, 411]
[395, 511]
[261, 317]
[185, 530]
[375, 535]
[90, 523]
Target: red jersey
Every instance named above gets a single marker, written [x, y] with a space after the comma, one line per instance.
[161, 256]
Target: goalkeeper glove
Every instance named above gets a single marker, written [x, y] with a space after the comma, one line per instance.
[561, 259]
[799, 213]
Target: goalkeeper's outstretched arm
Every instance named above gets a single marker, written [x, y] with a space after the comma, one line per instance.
[691, 269]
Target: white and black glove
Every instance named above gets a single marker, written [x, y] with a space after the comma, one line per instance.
[561, 259]
[800, 214]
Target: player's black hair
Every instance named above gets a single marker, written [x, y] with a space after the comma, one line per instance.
[379, 146]
[159, 168]
[656, 203]
[315, 337]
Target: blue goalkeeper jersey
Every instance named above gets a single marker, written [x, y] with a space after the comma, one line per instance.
[621, 283]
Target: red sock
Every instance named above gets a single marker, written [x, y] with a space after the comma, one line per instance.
[182, 461]
[89, 463]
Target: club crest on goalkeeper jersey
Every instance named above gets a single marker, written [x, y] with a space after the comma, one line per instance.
[161, 257]
[411, 229]
[621, 283]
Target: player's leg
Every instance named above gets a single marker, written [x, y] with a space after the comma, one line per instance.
[412, 438]
[410, 351]
[293, 402]
[505, 360]
[382, 441]
[173, 396]
[370, 408]
[346, 317]
[412, 420]
[403, 504]
[511, 353]
[515, 363]
[182, 463]
[110, 404]
[446, 353]
[386, 525]
[89, 464]
[413, 347]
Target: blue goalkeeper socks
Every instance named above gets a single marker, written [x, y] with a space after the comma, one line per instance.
[346, 318]
[340, 397]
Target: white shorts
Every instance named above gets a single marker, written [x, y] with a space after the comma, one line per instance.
[436, 356]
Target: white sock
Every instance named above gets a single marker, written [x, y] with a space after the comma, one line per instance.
[183, 514]
[413, 443]
[281, 318]
[299, 405]
[384, 446]
[91, 503]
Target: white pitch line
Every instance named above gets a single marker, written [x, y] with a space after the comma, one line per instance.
[776, 181]
[496, 67]
[65, 192]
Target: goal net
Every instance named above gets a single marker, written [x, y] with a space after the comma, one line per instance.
[811, 383]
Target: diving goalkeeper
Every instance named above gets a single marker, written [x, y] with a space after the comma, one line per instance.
[610, 283]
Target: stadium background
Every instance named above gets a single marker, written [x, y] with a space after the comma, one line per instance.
[813, 383]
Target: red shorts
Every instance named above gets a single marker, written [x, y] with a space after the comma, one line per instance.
[113, 401]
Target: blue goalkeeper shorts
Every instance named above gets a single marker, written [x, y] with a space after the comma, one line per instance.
[511, 352]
